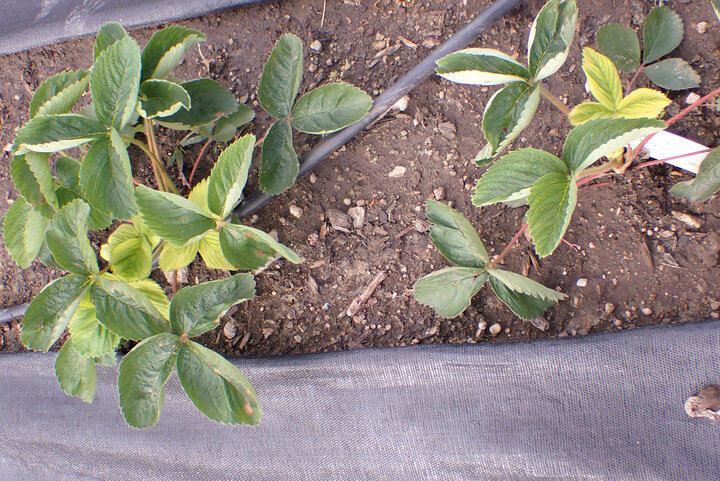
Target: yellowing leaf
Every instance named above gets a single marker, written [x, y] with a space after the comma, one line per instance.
[173, 257]
[211, 252]
[587, 111]
[603, 78]
[643, 103]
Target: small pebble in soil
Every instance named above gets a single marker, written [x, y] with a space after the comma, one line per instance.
[295, 211]
[582, 282]
[495, 329]
[482, 325]
[692, 98]
[397, 172]
[715, 315]
[298, 338]
[714, 305]
[439, 193]
[647, 311]
[609, 308]
[687, 219]
[357, 214]
[702, 27]
[316, 46]
[313, 178]
[617, 323]
[230, 330]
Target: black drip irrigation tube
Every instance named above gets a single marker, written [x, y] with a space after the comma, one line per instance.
[381, 105]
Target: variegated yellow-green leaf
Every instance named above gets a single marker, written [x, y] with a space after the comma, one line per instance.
[587, 111]
[552, 201]
[643, 103]
[166, 49]
[59, 93]
[173, 257]
[108, 34]
[229, 175]
[481, 66]
[716, 7]
[550, 37]
[603, 78]
[160, 98]
[53, 133]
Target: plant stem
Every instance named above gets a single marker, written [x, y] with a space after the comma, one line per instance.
[660, 161]
[197, 161]
[554, 100]
[635, 77]
[510, 245]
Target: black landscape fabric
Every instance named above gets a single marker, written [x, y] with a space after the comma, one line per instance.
[605, 407]
[26, 24]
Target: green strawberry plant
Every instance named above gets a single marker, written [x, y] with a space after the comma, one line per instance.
[512, 108]
[72, 169]
[544, 182]
[662, 33]
[323, 110]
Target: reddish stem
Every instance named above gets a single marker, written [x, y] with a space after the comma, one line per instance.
[508, 247]
[197, 161]
[635, 77]
[660, 161]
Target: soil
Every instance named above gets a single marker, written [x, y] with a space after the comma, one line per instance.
[629, 261]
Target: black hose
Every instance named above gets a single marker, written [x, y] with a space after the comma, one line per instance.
[381, 105]
[388, 98]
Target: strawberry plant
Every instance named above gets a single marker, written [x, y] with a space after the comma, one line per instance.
[72, 169]
[547, 184]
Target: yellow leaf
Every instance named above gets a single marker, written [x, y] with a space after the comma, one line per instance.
[603, 78]
[155, 293]
[643, 103]
[173, 257]
[588, 111]
[211, 252]
[198, 195]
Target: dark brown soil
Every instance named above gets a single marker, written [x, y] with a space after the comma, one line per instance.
[642, 266]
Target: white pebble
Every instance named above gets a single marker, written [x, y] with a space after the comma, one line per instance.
[397, 172]
[646, 310]
[692, 98]
[702, 27]
[495, 329]
[316, 46]
[582, 282]
[230, 330]
[295, 211]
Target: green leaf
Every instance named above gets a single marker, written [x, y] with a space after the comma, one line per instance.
[281, 77]
[166, 49]
[249, 248]
[172, 217]
[67, 170]
[59, 93]
[160, 98]
[329, 108]
[173, 257]
[114, 83]
[226, 126]
[97, 220]
[53, 133]
[550, 37]
[506, 115]
[211, 252]
[109, 33]
[50, 311]
[76, 373]
[106, 177]
[197, 309]
[199, 194]
[126, 310]
[217, 388]
[142, 376]
[229, 176]
[662, 33]
[129, 253]
[621, 44]
[510, 177]
[33, 178]
[705, 184]
[603, 78]
[67, 239]
[552, 200]
[481, 66]
[673, 74]
[209, 101]
[524, 285]
[90, 338]
[524, 306]
[454, 236]
[155, 293]
[585, 111]
[23, 231]
[449, 291]
[108, 360]
[596, 138]
[280, 165]
[643, 103]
